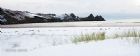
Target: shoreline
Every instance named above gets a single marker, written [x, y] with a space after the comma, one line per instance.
[74, 24]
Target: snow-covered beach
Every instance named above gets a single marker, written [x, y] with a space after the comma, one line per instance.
[69, 27]
[56, 41]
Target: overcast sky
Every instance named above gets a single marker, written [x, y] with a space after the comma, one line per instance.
[107, 8]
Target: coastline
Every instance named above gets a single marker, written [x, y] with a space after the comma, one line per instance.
[74, 24]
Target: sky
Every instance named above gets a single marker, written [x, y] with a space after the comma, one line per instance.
[111, 9]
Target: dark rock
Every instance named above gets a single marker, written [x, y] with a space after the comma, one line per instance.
[19, 17]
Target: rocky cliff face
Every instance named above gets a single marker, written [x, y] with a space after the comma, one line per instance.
[16, 17]
[8, 16]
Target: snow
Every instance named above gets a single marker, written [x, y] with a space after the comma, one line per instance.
[2, 19]
[57, 42]
[104, 48]
[31, 15]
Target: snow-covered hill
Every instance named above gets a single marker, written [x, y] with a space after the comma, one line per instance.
[8, 16]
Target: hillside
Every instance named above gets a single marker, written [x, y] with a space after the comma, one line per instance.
[8, 16]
